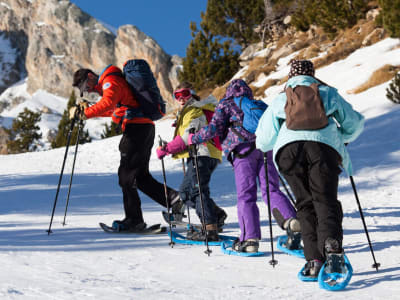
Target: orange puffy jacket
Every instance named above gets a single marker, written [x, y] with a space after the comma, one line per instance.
[116, 98]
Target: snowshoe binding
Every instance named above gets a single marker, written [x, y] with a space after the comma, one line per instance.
[310, 270]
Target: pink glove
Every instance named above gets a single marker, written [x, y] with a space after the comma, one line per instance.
[190, 139]
[161, 153]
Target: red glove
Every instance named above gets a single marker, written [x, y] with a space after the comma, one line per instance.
[161, 152]
[190, 139]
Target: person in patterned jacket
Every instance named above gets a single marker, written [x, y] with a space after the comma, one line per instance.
[248, 165]
[136, 143]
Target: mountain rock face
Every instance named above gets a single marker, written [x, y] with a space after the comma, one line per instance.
[53, 38]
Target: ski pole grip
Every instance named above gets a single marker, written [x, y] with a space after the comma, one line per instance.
[192, 148]
[160, 143]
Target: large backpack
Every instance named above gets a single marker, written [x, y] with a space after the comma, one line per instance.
[253, 110]
[304, 108]
[138, 74]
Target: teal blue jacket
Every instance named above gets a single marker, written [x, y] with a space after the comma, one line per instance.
[345, 124]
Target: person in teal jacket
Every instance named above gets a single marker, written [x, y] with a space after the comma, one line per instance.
[310, 161]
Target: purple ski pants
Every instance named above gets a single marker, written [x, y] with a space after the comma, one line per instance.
[247, 171]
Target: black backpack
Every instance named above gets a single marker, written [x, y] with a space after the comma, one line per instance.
[138, 74]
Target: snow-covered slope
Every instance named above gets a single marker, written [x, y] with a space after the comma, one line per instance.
[80, 261]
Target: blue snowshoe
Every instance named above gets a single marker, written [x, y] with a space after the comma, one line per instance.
[336, 273]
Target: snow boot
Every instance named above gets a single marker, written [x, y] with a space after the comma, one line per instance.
[312, 268]
[221, 217]
[127, 225]
[249, 245]
[335, 262]
[292, 227]
[178, 209]
[212, 234]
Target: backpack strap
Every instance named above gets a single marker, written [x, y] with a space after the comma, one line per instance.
[237, 123]
[131, 111]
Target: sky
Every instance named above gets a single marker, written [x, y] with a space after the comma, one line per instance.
[165, 21]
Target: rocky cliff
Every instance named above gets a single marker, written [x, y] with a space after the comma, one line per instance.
[53, 38]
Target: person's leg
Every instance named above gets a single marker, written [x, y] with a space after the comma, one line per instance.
[145, 182]
[245, 170]
[281, 207]
[292, 163]
[131, 200]
[206, 166]
[324, 168]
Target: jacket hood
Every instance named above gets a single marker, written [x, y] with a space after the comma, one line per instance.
[303, 80]
[106, 71]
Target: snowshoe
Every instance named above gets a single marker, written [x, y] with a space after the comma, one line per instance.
[291, 244]
[141, 228]
[180, 239]
[336, 273]
[250, 246]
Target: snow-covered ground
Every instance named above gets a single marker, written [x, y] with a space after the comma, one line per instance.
[80, 261]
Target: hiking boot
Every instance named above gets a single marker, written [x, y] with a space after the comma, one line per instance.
[312, 268]
[177, 211]
[293, 234]
[127, 225]
[249, 245]
[212, 234]
[334, 257]
[221, 217]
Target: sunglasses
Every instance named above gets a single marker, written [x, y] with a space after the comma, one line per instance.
[182, 94]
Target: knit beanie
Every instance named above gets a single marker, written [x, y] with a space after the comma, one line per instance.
[301, 67]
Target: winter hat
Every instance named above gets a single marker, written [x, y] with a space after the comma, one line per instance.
[238, 88]
[301, 67]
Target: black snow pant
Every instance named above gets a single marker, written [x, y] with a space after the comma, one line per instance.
[133, 173]
[312, 171]
[189, 189]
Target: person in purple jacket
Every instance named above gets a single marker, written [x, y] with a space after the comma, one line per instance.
[248, 164]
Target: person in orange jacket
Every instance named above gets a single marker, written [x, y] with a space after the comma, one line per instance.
[119, 103]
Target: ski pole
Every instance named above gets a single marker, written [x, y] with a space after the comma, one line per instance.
[287, 190]
[61, 173]
[376, 265]
[171, 243]
[203, 221]
[73, 168]
[273, 261]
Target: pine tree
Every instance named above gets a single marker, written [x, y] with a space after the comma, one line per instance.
[64, 126]
[111, 130]
[235, 19]
[389, 16]
[393, 91]
[330, 15]
[208, 62]
[24, 133]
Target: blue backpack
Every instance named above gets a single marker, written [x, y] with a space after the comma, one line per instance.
[138, 74]
[253, 110]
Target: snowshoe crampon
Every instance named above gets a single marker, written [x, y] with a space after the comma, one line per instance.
[281, 245]
[336, 280]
